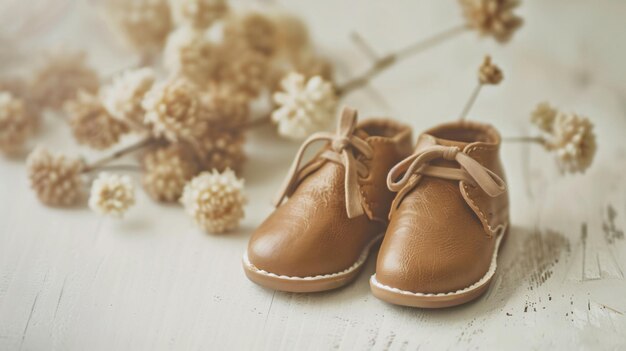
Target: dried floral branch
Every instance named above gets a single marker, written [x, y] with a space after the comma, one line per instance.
[382, 63]
[119, 153]
[488, 74]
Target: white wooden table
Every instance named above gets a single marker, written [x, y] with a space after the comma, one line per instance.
[70, 280]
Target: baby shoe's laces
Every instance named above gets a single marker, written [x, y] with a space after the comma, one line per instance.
[341, 151]
[404, 176]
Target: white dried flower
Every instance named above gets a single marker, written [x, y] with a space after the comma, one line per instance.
[573, 141]
[55, 178]
[123, 97]
[243, 70]
[305, 106]
[144, 23]
[15, 123]
[543, 116]
[492, 17]
[174, 110]
[190, 54]
[112, 194]
[215, 201]
[91, 123]
[198, 13]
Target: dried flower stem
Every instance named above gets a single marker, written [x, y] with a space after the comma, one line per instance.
[258, 122]
[117, 154]
[524, 139]
[388, 60]
[470, 102]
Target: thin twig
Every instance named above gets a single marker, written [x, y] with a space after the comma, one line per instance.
[364, 46]
[117, 154]
[523, 139]
[470, 101]
[388, 60]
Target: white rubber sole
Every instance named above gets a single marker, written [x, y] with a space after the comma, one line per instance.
[311, 283]
[429, 300]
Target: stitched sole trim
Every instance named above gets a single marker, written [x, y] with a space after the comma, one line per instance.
[447, 299]
[308, 283]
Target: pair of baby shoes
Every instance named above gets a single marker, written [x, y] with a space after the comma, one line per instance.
[440, 209]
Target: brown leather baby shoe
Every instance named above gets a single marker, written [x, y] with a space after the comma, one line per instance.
[336, 210]
[448, 219]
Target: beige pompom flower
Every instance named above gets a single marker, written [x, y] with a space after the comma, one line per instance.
[489, 73]
[61, 78]
[242, 70]
[166, 171]
[305, 106]
[174, 110]
[215, 201]
[221, 149]
[492, 17]
[256, 30]
[573, 141]
[91, 124]
[112, 194]
[16, 125]
[188, 53]
[56, 179]
[144, 23]
[226, 109]
[198, 13]
[123, 97]
[543, 117]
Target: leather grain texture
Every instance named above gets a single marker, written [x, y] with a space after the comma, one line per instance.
[440, 238]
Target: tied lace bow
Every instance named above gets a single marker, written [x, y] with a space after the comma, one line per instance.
[342, 144]
[416, 165]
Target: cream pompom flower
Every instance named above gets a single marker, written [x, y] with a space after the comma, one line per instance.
[15, 123]
[543, 117]
[123, 97]
[91, 124]
[166, 171]
[198, 13]
[190, 54]
[305, 106]
[215, 201]
[492, 17]
[144, 23]
[257, 30]
[174, 110]
[112, 194]
[573, 141]
[56, 179]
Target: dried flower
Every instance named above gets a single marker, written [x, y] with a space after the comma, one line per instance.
[255, 29]
[543, 117]
[492, 17]
[16, 125]
[225, 108]
[198, 13]
[174, 110]
[489, 73]
[293, 34]
[221, 149]
[189, 54]
[16, 86]
[144, 23]
[112, 194]
[242, 70]
[60, 79]
[215, 201]
[573, 141]
[91, 124]
[55, 178]
[123, 97]
[166, 171]
[305, 106]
